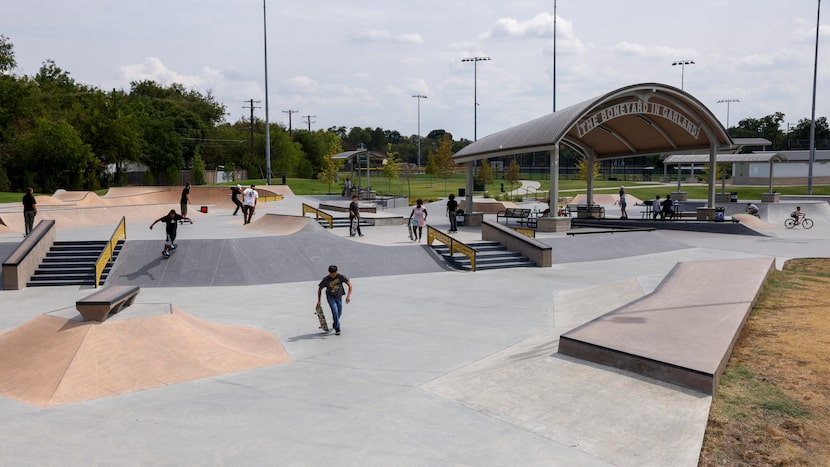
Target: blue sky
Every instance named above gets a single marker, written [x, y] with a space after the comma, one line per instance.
[358, 63]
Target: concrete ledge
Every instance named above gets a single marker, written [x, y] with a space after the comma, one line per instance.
[536, 251]
[684, 331]
[24, 260]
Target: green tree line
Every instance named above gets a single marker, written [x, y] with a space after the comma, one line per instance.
[58, 133]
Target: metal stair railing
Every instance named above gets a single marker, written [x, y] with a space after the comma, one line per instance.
[318, 214]
[105, 258]
[454, 245]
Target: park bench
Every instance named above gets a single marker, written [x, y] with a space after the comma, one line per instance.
[523, 215]
[109, 300]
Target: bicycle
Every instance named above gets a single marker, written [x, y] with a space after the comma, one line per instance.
[805, 223]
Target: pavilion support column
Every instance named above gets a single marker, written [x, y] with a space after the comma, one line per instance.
[469, 188]
[590, 176]
[770, 175]
[554, 182]
[713, 158]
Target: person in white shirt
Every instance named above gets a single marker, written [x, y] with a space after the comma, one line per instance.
[249, 200]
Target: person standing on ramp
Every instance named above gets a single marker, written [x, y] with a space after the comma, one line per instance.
[172, 220]
[249, 198]
[29, 210]
[354, 218]
[333, 283]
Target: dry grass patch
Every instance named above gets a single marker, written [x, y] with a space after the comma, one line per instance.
[773, 404]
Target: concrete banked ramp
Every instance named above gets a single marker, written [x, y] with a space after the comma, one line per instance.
[681, 333]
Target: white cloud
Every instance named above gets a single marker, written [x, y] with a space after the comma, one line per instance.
[377, 35]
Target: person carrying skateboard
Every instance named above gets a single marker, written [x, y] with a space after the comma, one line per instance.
[419, 213]
[236, 192]
[333, 283]
[172, 220]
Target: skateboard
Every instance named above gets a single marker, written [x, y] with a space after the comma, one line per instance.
[322, 318]
[409, 230]
[353, 227]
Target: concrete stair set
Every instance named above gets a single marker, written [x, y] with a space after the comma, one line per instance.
[489, 255]
[71, 263]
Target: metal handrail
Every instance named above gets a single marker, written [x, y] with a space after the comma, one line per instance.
[105, 258]
[318, 214]
[454, 245]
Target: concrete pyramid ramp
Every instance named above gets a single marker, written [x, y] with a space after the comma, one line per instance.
[52, 360]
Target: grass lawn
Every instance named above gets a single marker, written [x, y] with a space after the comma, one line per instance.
[430, 188]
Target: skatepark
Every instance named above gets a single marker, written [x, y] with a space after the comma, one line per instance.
[434, 366]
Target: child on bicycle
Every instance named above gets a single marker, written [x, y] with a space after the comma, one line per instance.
[797, 215]
[752, 209]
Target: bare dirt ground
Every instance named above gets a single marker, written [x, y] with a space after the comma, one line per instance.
[773, 404]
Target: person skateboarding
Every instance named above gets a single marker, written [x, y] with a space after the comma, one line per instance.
[172, 220]
[333, 283]
[236, 192]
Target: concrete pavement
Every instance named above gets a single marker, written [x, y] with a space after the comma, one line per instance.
[434, 367]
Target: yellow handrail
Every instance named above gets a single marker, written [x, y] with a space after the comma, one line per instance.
[318, 214]
[105, 257]
[527, 232]
[454, 245]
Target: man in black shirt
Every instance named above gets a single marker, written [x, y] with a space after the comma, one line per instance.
[185, 199]
[452, 207]
[172, 220]
[29, 210]
[354, 217]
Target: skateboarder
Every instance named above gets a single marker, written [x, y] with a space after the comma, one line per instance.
[236, 191]
[185, 199]
[333, 283]
[172, 220]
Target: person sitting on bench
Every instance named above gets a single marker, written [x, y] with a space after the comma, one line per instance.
[667, 208]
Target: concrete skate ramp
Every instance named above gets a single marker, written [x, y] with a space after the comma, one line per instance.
[684, 331]
[278, 224]
[605, 246]
[303, 256]
[52, 360]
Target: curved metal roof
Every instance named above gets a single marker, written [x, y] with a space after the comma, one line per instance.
[637, 120]
[725, 158]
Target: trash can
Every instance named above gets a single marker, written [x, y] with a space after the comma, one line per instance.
[462, 192]
[733, 197]
[719, 215]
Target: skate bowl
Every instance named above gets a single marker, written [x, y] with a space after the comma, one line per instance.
[55, 360]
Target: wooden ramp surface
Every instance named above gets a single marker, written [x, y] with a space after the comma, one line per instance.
[683, 332]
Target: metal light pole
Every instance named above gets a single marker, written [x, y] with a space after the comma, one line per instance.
[475, 61]
[813, 116]
[682, 64]
[728, 101]
[267, 125]
[419, 97]
[554, 55]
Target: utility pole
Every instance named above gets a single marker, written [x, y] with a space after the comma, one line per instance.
[289, 112]
[308, 119]
[252, 107]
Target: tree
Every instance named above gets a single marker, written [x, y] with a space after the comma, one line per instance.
[431, 168]
[392, 167]
[484, 175]
[198, 169]
[513, 173]
[7, 61]
[53, 156]
[582, 168]
[444, 165]
[331, 166]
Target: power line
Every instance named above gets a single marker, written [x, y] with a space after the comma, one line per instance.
[290, 112]
[252, 107]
